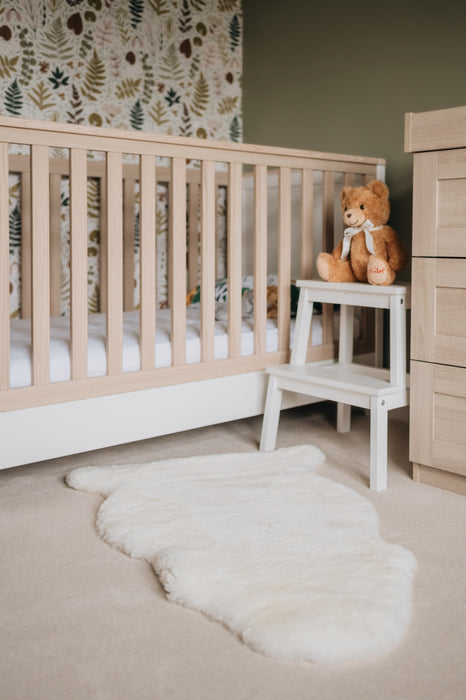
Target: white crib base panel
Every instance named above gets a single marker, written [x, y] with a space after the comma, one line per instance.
[45, 432]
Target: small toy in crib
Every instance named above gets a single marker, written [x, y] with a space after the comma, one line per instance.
[247, 307]
[370, 250]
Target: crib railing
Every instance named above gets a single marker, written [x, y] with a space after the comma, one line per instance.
[60, 168]
[40, 192]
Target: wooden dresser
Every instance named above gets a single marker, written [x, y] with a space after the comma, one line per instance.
[438, 318]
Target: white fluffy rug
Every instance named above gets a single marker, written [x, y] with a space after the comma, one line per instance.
[290, 561]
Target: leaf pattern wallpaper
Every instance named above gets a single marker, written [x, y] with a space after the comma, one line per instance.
[163, 66]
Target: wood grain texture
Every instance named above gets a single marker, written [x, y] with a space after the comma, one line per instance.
[55, 244]
[121, 141]
[147, 257]
[193, 234]
[424, 203]
[40, 265]
[439, 310]
[114, 216]
[128, 243]
[234, 259]
[78, 262]
[423, 310]
[208, 206]
[435, 130]
[26, 245]
[260, 257]
[4, 271]
[438, 374]
[328, 242]
[439, 478]
[77, 390]
[177, 260]
[307, 224]
[284, 258]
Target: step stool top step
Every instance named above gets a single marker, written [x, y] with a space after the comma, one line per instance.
[356, 293]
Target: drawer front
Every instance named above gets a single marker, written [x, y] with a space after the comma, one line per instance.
[438, 319]
[439, 212]
[438, 416]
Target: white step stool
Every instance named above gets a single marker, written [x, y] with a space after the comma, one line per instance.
[350, 384]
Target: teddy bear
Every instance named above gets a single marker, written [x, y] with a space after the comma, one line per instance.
[370, 250]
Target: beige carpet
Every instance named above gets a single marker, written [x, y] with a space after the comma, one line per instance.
[81, 621]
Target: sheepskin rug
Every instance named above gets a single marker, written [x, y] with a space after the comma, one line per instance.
[288, 560]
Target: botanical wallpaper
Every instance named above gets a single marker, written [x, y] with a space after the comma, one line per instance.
[164, 66]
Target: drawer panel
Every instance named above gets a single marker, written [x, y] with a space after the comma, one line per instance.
[439, 214]
[438, 320]
[449, 419]
[438, 416]
[450, 308]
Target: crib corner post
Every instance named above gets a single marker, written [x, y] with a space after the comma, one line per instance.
[380, 172]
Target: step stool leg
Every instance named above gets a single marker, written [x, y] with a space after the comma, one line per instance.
[343, 417]
[302, 328]
[378, 444]
[273, 404]
[345, 357]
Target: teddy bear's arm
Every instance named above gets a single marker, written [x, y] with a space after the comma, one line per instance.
[397, 254]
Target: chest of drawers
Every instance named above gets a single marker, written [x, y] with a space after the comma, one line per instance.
[438, 320]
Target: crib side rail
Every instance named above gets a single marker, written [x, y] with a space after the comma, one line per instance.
[131, 173]
[4, 272]
[38, 171]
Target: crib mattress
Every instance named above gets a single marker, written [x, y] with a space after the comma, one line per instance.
[20, 343]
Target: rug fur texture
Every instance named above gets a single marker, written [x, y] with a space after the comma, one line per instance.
[290, 561]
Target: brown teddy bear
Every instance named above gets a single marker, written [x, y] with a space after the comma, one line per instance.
[370, 251]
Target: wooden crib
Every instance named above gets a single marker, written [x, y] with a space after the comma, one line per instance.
[48, 418]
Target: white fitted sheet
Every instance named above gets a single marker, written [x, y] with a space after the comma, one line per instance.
[20, 343]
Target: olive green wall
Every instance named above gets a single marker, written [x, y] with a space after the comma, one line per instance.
[339, 76]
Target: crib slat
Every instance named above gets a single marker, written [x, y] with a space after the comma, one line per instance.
[114, 263]
[284, 258]
[260, 258]
[217, 251]
[177, 262]
[307, 224]
[26, 245]
[328, 215]
[193, 235]
[128, 244]
[147, 285]
[371, 319]
[78, 262]
[4, 271]
[234, 255]
[55, 244]
[207, 260]
[328, 204]
[103, 245]
[40, 265]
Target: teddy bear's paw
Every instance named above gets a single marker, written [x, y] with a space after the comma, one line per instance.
[324, 261]
[379, 271]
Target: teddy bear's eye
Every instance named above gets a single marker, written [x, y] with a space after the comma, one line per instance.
[362, 206]
[346, 208]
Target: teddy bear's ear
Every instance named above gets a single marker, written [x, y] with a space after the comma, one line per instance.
[379, 188]
[345, 193]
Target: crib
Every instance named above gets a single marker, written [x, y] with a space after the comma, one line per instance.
[74, 381]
